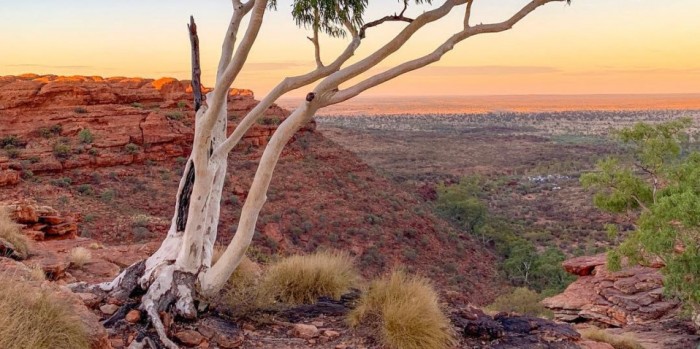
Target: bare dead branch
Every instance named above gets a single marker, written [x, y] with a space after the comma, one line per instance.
[196, 68]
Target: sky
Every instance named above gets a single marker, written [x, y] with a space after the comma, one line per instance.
[589, 47]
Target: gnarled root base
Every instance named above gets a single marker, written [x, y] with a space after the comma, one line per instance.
[171, 291]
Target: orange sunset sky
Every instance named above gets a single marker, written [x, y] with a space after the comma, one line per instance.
[590, 47]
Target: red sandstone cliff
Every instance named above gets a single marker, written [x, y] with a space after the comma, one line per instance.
[130, 119]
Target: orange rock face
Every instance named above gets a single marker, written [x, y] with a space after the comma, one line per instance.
[41, 222]
[631, 296]
[54, 123]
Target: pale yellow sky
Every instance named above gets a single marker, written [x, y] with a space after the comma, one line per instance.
[592, 46]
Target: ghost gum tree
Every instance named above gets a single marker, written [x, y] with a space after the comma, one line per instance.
[181, 270]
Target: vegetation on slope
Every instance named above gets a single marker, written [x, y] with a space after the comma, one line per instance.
[661, 184]
[523, 265]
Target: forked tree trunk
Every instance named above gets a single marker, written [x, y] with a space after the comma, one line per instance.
[176, 275]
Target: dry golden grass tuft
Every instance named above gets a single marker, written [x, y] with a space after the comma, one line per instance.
[79, 256]
[96, 246]
[36, 273]
[241, 296]
[33, 319]
[405, 312]
[522, 301]
[303, 279]
[618, 342]
[9, 230]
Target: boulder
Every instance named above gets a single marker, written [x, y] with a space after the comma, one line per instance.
[633, 295]
[584, 265]
[305, 331]
[189, 337]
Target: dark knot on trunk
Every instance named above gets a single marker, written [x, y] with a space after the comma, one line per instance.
[310, 96]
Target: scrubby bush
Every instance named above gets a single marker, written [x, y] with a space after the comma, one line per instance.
[80, 110]
[86, 189]
[34, 319]
[10, 232]
[175, 115]
[63, 182]
[132, 148]
[405, 313]
[44, 132]
[522, 301]
[140, 220]
[541, 271]
[56, 129]
[10, 140]
[303, 279]
[462, 203]
[12, 151]
[86, 136]
[108, 195]
[62, 150]
[269, 121]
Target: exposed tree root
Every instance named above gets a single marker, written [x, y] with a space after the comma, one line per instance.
[172, 291]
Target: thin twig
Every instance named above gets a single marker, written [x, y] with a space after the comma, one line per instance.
[393, 18]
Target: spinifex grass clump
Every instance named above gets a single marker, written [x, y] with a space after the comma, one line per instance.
[34, 319]
[303, 279]
[617, 342]
[241, 296]
[405, 313]
[10, 232]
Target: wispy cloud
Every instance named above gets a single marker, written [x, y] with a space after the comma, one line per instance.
[487, 70]
[275, 65]
[638, 71]
[51, 66]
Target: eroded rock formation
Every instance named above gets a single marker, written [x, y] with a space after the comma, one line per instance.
[633, 295]
[127, 120]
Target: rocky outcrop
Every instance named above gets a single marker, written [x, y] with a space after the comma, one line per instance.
[128, 120]
[510, 331]
[633, 295]
[37, 91]
[41, 222]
